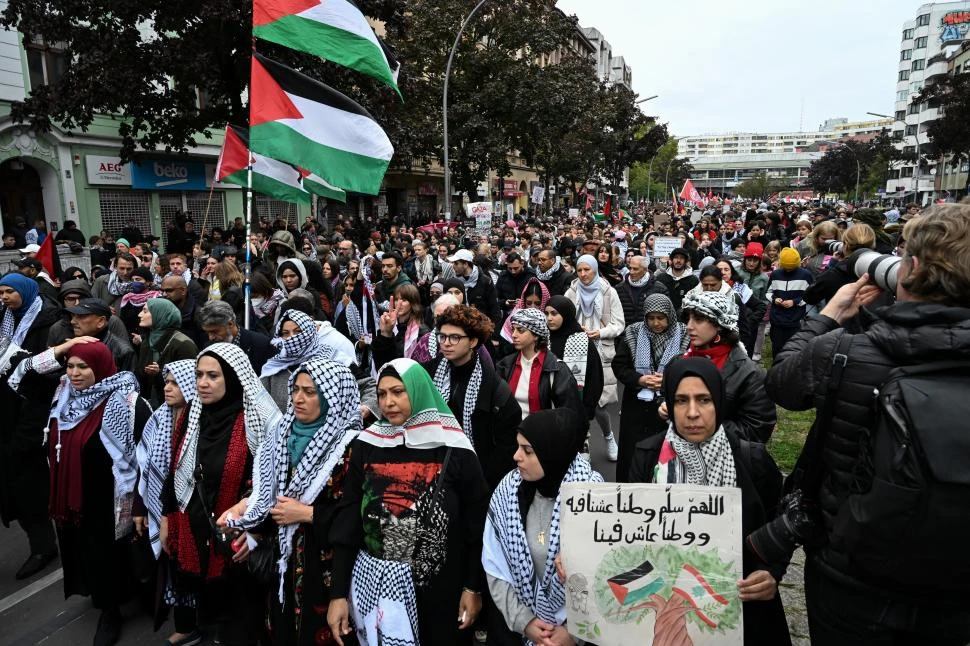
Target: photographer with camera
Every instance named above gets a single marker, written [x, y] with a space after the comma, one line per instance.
[880, 493]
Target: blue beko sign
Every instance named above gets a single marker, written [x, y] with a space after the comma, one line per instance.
[168, 175]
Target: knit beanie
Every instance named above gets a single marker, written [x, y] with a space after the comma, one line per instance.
[789, 259]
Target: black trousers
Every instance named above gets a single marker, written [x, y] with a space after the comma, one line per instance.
[840, 615]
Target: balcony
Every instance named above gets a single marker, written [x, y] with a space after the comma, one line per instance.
[937, 68]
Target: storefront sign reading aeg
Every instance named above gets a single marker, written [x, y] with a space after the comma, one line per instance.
[168, 175]
[107, 171]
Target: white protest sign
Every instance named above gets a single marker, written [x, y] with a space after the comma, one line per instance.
[538, 194]
[654, 560]
[482, 212]
[573, 213]
[664, 246]
[510, 211]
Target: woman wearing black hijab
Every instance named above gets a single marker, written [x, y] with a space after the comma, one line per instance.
[521, 539]
[698, 450]
[570, 343]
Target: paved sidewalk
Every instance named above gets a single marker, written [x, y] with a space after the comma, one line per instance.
[792, 590]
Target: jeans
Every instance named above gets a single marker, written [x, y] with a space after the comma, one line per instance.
[840, 615]
[779, 337]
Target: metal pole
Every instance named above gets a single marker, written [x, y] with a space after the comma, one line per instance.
[858, 172]
[667, 176]
[650, 177]
[249, 235]
[444, 108]
[916, 171]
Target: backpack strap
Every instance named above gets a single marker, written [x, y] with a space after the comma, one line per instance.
[807, 474]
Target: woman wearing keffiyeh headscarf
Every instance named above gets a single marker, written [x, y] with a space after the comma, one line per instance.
[698, 449]
[26, 323]
[642, 355]
[297, 342]
[302, 471]
[521, 539]
[408, 535]
[94, 422]
[213, 449]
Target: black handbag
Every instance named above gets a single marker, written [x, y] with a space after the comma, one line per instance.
[222, 537]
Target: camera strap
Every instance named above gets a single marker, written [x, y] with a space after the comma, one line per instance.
[807, 474]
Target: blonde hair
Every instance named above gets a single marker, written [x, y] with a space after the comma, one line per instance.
[827, 230]
[858, 236]
[940, 239]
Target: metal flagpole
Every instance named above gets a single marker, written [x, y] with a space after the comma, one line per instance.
[249, 234]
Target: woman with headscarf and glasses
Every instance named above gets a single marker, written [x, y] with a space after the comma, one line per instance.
[163, 344]
[96, 420]
[297, 342]
[25, 324]
[600, 312]
[408, 535]
[642, 355]
[302, 471]
[698, 449]
[522, 529]
[213, 449]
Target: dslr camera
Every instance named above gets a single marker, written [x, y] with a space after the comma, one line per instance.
[797, 523]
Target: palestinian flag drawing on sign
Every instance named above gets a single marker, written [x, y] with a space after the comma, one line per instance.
[332, 29]
[270, 177]
[636, 586]
[296, 119]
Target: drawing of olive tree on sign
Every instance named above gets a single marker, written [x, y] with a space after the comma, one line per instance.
[677, 586]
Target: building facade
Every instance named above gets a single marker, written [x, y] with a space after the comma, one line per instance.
[927, 43]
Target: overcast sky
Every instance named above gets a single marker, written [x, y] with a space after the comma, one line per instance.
[755, 65]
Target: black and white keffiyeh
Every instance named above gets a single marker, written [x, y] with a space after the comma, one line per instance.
[154, 451]
[442, 380]
[13, 332]
[709, 463]
[505, 550]
[342, 424]
[379, 591]
[261, 415]
[546, 275]
[651, 351]
[119, 392]
[295, 350]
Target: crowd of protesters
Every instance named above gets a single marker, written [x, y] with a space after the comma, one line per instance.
[368, 446]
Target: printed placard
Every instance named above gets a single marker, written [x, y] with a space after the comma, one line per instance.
[664, 246]
[654, 560]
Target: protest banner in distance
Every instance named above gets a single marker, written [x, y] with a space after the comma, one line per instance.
[538, 194]
[663, 246]
[573, 213]
[652, 563]
[481, 212]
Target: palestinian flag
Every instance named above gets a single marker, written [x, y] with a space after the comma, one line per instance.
[270, 177]
[319, 186]
[695, 590]
[332, 29]
[48, 256]
[296, 119]
[636, 586]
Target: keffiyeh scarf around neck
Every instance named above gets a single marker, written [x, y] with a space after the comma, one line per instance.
[472, 280]
[442, 381]
[505, 550]
[296, 349]
[16, 331]
[709, 463]
[154, 452]
[119, 393]
[341, 425]
[546, 275]
[260, 412]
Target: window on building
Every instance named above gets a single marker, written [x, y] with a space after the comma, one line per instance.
[911, 130]
[211, 213]
[118, 205]
[900, 115]
[909, 150]
[894, 173]
[272, 209]
[919, 64]
[906, 172]
[908, 34]
[921, 42]
[906, 54]
[923, 20]
[902, 95]
[903, 75]
[46, 62]
[913, 108]
[897, 135]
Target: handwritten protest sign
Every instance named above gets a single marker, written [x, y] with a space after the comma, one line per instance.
[573, 213]
[664, 246]
[652, 563]
[481, 212]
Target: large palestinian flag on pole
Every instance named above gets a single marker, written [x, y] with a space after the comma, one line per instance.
[296, 119]
[332, 29]
[319, 186]
[270, 177]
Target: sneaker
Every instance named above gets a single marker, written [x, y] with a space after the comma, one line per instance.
[190, 639]
[109, 628]
[34, 564]
[612, 449]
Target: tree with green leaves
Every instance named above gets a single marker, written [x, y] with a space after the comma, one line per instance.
[949, 133]
[760, 187]
[642, 176]
[835, 171]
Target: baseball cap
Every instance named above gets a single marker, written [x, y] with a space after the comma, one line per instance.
[30, 262]
[31, 248]
[464, 255]
[90, 306]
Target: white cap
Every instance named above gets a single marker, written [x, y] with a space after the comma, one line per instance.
[464, 255]
[31, 248]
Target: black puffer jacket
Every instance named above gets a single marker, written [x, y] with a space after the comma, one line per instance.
[903, 334]
[748, 411]
[632, 298]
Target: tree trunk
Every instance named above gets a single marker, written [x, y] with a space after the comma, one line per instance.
[670, 628]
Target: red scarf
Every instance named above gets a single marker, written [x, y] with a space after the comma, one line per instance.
[67, 476]
[718, 353]
[537, 363]
[181, 541]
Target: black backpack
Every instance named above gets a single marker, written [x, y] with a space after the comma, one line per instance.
[906, 520]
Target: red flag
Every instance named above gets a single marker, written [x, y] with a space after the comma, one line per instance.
[608, 206]
[589, 202]
[47, 255]
[690, 194]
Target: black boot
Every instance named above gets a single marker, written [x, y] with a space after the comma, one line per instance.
[109, 627]
[34, 564]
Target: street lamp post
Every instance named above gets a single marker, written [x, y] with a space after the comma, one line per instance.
[667, 176]
[444, 107]
[858, 167]
[917, 170]
[649, 98]
[650, 177]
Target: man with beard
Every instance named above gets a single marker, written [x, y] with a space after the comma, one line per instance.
[392, 266]
[90, 317]
[174, 289]
[479, 288]
[218, 322]
[552, 274]
[678, 279]
[634, 289]
[510, 284]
